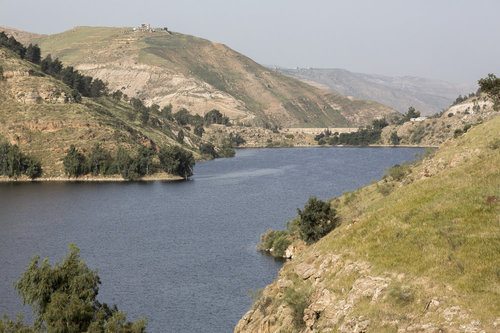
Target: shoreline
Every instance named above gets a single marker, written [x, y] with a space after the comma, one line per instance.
[163, 177]
[91, 179]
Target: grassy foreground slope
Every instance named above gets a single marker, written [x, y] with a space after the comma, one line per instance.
[163, 67]
[419, 254]
[38, 114]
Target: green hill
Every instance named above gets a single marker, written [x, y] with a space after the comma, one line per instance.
[38, 113]
[418, 251]
[167, 67]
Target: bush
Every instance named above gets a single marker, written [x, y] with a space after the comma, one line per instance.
[397, 172]
[495, 144]
[297, 298]
[274, 242]
[316, 220]
[385, 189]
[403, 295]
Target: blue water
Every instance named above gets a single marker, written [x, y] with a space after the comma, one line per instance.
[183, 253]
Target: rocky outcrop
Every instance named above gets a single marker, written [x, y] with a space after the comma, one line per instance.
[349, 296]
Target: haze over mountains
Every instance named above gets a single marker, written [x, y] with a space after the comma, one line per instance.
[428, 96]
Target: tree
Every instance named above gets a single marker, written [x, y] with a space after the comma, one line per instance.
[64, 299]
[13, 162]
[33, 54]
[199, 130]
[99, 160]
[412, 113]
[208, 149]
[167, 112]
[154, 108]
[177, 161]
[316, 220]
[182, 116]
[97, 88]
[491, 86]
[123, 163]
[180, 137]
[215, 117]
[145, 161]
[379, 124]
[395, 139]
[74, 162]
[117, 95]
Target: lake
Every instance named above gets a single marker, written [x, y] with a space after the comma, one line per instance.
[180, 253]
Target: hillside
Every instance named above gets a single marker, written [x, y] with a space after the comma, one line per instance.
[39, 114]
[167, 67]
[415, 252]
[428, 96]
[433, 131]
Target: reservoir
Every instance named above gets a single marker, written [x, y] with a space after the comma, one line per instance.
[181, 254]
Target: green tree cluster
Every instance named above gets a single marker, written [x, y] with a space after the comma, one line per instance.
[100, 162]
[84, 85]
[64, 299]
[177, 161]
[14, 163]
[215, 117]
[12, 44]
[184, 117]
[364, 136]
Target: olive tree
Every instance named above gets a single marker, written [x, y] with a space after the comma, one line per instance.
[64, 299]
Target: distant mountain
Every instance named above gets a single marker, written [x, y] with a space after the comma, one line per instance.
[428, 96]
[165, 67]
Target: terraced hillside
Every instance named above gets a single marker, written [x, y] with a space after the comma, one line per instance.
[167, 67]
[415, 252]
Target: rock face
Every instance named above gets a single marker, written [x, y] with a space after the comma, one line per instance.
[348, 296]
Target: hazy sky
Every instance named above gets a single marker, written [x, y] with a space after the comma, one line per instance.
[453, 40]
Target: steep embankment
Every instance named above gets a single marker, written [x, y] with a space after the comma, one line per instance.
[38, 113]
[416, 252]
[163, 67]
[428, 96]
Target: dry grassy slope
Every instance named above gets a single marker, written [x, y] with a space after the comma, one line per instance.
[435, 131]
[20, 35]
[34, 115]
[422, 258]
[200, 75]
